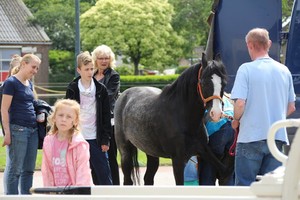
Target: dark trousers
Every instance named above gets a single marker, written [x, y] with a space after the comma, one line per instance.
[219, 143]
[99, 164]
[112, 156]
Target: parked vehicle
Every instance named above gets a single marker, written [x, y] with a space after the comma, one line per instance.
[234, 18]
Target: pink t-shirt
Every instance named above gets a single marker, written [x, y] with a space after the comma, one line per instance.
[60, 172]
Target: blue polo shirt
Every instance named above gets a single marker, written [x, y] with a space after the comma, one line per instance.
[267, 87]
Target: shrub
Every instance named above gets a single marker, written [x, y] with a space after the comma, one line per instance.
[124, 70]
[62, 67]
[180, 69]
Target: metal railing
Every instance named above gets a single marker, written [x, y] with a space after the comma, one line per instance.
[50, 92]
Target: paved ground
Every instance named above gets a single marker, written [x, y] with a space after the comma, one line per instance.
[163, 177]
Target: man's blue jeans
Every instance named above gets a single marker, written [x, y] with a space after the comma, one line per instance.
[252, 159]
[22, 156]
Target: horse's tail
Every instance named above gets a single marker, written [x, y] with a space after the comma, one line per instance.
[135, 173]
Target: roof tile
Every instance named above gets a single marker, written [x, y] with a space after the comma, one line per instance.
[14, 26]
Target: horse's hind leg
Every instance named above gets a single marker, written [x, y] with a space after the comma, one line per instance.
[152, 166]
[127, 168]
[129, 164]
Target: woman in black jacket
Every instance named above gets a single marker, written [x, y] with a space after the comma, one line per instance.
[104, 61]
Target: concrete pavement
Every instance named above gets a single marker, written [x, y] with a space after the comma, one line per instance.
[163, 177]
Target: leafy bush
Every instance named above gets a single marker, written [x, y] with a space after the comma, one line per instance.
[124, 70]
[62, 66]
[180, 69]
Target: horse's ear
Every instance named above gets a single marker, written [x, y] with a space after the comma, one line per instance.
[204, 60]
[218, 57]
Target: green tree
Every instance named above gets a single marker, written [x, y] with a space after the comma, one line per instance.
[57, 17]
[287, 6]
[190, 22]
[138, 30]
[61, 66]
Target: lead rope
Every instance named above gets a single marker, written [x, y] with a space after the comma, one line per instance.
[232, 147]
[231, 150]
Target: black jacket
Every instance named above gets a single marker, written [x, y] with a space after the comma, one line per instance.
[41, 106]
[103, 125]
[112, 82]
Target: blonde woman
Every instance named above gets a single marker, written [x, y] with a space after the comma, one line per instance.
[104, 61]
[14, 67]
[20, 126]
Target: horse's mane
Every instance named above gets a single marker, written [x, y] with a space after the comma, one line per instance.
[181, 84]
[188, 79]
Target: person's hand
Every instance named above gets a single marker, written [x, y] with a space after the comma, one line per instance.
[235, 124]
[6, 140]
[104, 148]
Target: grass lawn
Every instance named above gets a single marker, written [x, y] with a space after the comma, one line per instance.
[141, 157]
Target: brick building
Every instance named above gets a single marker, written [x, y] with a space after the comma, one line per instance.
[18, 36]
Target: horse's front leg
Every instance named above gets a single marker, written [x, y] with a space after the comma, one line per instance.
[152, 167]
[178, 170]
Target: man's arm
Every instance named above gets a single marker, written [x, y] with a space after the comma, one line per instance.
[239, 106]
[291, 108]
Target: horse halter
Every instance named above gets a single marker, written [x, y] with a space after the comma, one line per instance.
[199, 88]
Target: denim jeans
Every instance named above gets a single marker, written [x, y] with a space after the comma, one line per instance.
[219, 142]
[191, 170]
[22, 157]
[7, 165]
[254, 159]
[99, 164]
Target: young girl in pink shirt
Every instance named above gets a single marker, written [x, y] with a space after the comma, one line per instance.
[65, 151]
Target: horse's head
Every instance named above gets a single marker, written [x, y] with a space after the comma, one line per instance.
[212, 80]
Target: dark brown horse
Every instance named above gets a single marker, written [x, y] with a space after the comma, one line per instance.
[169, 123]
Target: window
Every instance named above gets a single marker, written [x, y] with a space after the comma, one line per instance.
[6, 54]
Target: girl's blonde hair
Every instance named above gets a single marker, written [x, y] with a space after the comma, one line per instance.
[16, 63]
[27, 58]
[104, 50]
[58, 105]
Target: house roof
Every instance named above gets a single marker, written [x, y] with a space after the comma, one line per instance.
[14, 26]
